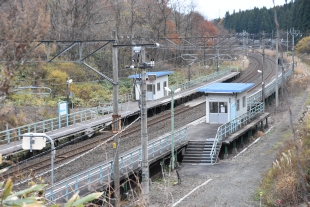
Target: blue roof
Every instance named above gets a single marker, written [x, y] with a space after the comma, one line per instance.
[158, 74]
[226, 87]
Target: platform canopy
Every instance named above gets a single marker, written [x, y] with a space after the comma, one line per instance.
[226, 87]
[158, 74]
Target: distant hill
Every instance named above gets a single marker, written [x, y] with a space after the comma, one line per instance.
[294, 14]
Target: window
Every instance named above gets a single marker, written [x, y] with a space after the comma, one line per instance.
[243, 101]
[158, 86]
[238, 105]
[214, 107]
[149, 88]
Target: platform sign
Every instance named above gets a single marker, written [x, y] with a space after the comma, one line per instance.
[34, 143]
[62, 111]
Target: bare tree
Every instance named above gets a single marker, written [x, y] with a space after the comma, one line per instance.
[21, 23]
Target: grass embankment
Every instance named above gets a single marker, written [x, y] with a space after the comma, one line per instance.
[282, 183]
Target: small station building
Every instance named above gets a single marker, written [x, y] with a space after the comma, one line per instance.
[225, 101]
[155, 83]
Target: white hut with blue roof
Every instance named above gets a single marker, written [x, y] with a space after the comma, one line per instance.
[155, 83]
[225, 101]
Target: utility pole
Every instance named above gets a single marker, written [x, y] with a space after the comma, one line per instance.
[263, 83]
[204, 50]
[217, 53]
[243, 47]
[172, 128]
[115, 120]
[293, 33]
[67, 92]
[144, 137]
[286, 42]
[277, 59]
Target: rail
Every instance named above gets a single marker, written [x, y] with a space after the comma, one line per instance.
[203, 79]
[44, 126]
[102, 174]
[14, 134]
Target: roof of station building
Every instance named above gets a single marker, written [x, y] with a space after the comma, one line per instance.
[158, 74]
[226, 87]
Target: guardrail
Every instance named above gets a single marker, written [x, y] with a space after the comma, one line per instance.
[102, 174]
[14, 134]
[234, 125]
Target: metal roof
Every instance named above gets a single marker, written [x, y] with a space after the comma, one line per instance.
[158, 74]
[226, 87]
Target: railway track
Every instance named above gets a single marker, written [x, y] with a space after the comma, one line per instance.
[252, 76]
[42, 164]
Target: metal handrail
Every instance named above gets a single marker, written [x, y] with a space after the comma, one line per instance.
[55, 123]
[206, 78]
[71, 185]
[251, 100]
[234, 125]
[48, 125]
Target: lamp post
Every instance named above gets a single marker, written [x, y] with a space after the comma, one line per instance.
[68, 81]
[172, 91]
[36, 145]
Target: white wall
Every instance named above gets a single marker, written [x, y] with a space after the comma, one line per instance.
[158, 94]
[230, 99]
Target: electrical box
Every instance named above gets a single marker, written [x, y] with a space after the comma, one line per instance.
[151, 77]
[38, 142]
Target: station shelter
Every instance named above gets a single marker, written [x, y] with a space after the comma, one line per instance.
[155, 83]
[225, 101]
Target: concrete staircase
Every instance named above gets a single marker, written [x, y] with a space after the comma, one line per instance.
[199, 152]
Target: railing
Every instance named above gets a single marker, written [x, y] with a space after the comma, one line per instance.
[55, 123]
[101, 174]
[269, 89]
[234, 125]
[237, 123]
[200, 80]
[13, 134]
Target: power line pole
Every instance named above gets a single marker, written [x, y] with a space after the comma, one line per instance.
[263, 83]
[204, 50]
[294, 32]
[67, 92]
[144, 135]
[115, 120]
[277, 61]
[217, 53]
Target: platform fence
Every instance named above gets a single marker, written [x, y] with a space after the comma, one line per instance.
[255, 108]
[102, 175]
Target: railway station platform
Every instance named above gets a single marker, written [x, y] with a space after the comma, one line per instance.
[129, 111]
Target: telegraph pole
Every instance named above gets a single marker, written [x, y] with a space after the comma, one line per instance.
[293, 33]
[277, 59]
[204, 50]
[115, 120]
[293, 48]
[263, 83]
[144, 136]
[217, 53]
[67, 93]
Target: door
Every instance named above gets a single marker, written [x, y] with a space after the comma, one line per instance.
[150, 92]
[233, 111]
[218, 113]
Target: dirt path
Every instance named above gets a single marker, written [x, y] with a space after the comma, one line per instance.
[235, 180]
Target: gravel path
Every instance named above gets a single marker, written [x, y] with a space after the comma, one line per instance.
[235, 180]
